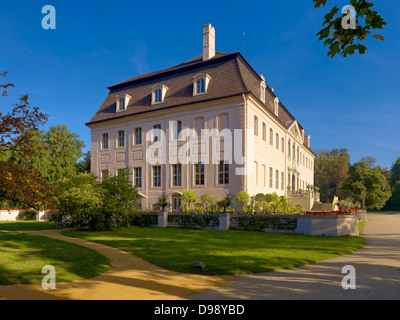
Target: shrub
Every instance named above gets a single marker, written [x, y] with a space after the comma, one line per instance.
[96, 205]
[242, 198]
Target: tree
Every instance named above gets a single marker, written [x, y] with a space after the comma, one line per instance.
[243, 199]
[344, 31]
[188, 196]
[90, 204]
[368, 182]
[207, 200]
[84, 165]
[331, 170]
[59, 158]
[20, 183]
[394, 180]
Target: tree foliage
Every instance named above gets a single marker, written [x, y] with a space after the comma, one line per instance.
[20, 183]
[347, 40]
[363, 178]
[90, 204]
[331, 170]
[59, 157]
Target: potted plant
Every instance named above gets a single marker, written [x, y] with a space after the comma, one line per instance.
[163, 203]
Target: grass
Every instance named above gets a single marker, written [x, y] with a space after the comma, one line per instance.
[22, 256]
[26, 225]
[223, 252]
[383, 212]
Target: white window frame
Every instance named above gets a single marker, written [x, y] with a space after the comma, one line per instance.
[103, 146]
[126, 98]
[196, 78]
[158, 88]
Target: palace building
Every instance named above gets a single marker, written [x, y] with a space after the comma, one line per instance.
[210, 124]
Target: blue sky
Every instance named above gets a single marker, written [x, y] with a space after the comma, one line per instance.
[348, 102]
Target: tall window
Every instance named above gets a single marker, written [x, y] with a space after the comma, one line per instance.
[156, 176]
[177, 175]
[270, 177]
[156, 132]
[176, 203]
[271, 137]
[198, 125]
[105, 141]
[201, 86]
[223, 172]
[283, 145]
[282, 180]
[276, 179]
[199, 174]
[176, 129]
[264, 175]
[277, 141]
[255, 126]
[157, 96]
[288, 148]
[264, 132]
[138, 136]
[121, 138]
[294, 152]
[122, 104]
[104, 174]
[256, 165]
[137, 177]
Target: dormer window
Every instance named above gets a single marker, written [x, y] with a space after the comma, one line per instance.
[122, 101]
[262, 88]
[276, 106]
[200, 84]
[158, 93]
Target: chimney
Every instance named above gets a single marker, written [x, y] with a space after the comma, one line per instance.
[208, 42]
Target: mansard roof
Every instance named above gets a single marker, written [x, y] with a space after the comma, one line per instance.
[231, 76]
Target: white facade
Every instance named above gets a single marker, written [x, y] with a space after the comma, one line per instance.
[193, 96]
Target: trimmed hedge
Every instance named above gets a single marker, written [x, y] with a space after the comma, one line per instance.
[261, 222]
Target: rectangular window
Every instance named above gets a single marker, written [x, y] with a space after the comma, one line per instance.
[121, 104]
[255, 126]
[156, 176]
[271, 137]
[105, 141]
[283, 145]
[199, 174]
[264, 132]
[138, 136]
[121, 138]
[270, 177]
[277, 141]
[256, 165]
[137, 172]
[282, 180]
[157, 96]
[265, 175]
[176, 175]
[176, 204]
[156, 132]
[276, 179]
[201, 86]
[176, 129]
[104, 174]
[223, 172]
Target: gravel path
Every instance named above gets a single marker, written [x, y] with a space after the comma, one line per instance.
[377, 271]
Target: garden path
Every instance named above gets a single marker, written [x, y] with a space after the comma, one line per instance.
[130, 278]
[377, 273]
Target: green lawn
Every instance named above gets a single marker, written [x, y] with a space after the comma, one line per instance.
[223, 252]
[22, 257]
[26, 225]
[383, 212]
